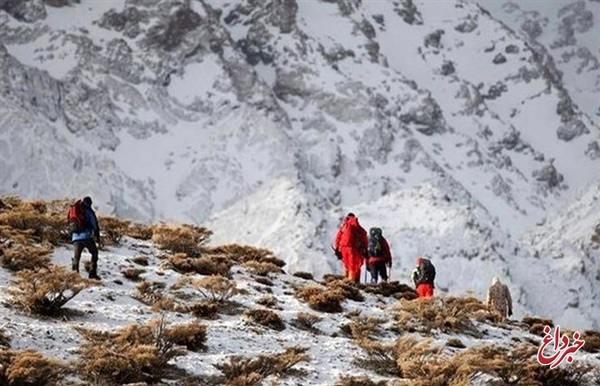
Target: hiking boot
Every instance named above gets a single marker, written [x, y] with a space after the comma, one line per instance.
[94, 276]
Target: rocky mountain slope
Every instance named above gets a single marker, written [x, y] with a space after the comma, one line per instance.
[269, 120]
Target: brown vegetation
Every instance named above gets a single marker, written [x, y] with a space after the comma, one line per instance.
[205, 265]
[262, 268]
[46, 290]
[266, 318]
[28, 368]
[136, 353]
[185, 238]
[140, 260]
[347, 289]
[113, 230]
[321, 299]
[19, 257]
[304, 275]
[358, 381]
[252, 371]
[448, 314]
[395, 289]
[269, 301]
[215, 289]
[306, 321]
[242, 254]
[133, 273]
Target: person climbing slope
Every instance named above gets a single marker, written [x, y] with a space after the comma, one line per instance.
[351, 245]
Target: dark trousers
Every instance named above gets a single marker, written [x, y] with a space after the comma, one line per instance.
[79, 246]
[377, 269]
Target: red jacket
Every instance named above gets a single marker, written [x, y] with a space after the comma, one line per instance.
[387, 254]
[351, 235]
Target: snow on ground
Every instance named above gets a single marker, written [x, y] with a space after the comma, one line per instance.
[110, 306]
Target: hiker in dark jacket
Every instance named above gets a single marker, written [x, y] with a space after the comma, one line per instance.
[379, 256]
[423, 276]
[86, 238]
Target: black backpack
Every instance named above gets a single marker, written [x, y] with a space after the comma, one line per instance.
[375, 242]
[427, 271]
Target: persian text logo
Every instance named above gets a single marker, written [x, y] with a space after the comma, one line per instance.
[561, 349]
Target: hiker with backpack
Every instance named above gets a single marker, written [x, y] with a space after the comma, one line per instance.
[379, 257]
[85, 232]
[499, 299]
[350, 246]
[423, 276]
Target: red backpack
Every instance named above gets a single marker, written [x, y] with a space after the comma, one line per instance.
[76, 216]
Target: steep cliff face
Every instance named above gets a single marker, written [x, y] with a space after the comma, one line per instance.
[270, 119]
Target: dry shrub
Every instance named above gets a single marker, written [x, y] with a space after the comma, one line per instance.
[347, 289]
[114, 229]
[191, 335]
[331, 277]
[395, 289]
[264, 281]
[39, 220]
[136, 353]
[380, 357]
[530, 321]
[243, 253]
[240, 370]
[21, 257]
[29, 368]
[365, 327]
[448, 314]
[205, 310]
[46, 290]
[215, 289]
[149, 292]
[358, 381]
[321, 299]
[205, 265]
[185, 238]
[262, 268]
[455, 342]
[304, 275]
[269, 301]
[266, 318]
[4, 339]
[133, 273]
[306, 321]
[141, 260]
[592, 341]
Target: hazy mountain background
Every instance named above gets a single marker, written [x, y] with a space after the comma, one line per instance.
[468, 131]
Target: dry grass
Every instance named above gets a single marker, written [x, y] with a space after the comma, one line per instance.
[358, 381]
[20, 257]
[136, 353]
[447, 314]
[306, 321]
[4, 340]
[455, 342]
[29, 368]
[365, 327]
[38, 221]
[393, 289]
[381, 358]
[205, 265]
[45, 291]
[132, 273]
[141, 260]
[184, 238]
[215, 289]
[242, 254]
[304, 275]
[347, 289]
[262, 268]
[266, 318]
[204, 310]
[252, 371]
[114, 229]
[321, 299]
[192, 335]
[269, 301]
[592, 341]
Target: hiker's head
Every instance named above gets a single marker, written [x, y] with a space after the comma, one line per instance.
[350, 215]
[419, 260]
[495, 280]
[87, 201]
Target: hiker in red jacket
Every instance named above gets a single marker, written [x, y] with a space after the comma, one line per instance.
[424, 276]
[351, 246]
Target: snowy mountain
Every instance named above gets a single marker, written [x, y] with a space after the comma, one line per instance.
[445, 123]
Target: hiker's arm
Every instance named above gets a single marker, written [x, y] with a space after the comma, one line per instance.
[509, 301]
